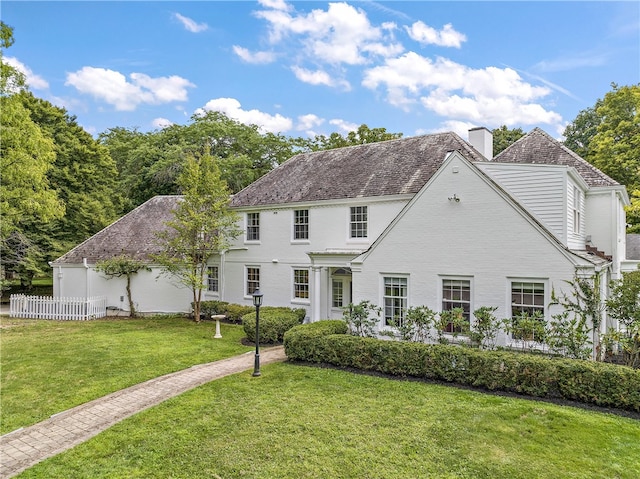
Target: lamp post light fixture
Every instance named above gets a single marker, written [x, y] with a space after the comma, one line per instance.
[257, 302]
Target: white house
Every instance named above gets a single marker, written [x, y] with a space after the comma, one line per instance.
[432, 220]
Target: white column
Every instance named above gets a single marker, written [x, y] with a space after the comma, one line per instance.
[317, 293]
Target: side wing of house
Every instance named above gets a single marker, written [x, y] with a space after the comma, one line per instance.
[464, 242]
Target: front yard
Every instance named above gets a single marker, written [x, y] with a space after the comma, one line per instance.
[295, 421]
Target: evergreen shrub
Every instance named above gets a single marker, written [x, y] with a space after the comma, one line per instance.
[274, 322]
[590, 382]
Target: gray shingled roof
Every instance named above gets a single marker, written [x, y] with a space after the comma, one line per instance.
[633, 246]
[537, 147]
[133, 234]
[393, 167]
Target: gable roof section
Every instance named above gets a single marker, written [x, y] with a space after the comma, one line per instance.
[134, 234]
[393, 167]
[577, 257]
[538, 147]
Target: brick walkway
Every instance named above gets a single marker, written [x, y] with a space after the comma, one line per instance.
[23, 448]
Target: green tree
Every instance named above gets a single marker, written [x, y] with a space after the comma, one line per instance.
[150, 163]
[11, 80]
[202, 226]
[83, 176]
[504, 137]
[361, 136]
[123, 266]
[624, 305]
[26, 156]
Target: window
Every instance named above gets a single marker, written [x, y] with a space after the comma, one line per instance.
[253, 227]
[300, 224]
[358, 222]
[527, 300]
[212, 279]
[456, 293]
[394, 300]
[301, 284]
[253, 280]
[576, 209]
[337, 290]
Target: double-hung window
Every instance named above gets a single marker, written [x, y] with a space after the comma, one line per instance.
[577, 202]
[253, 227]
[358, 220]
[301, 224]
[301, 284]
[394, 300]
[253, 279]
[527, 302]
[213, 281]
[456, 294]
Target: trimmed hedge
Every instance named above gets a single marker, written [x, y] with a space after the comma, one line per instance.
[274, 323]
[602, 384]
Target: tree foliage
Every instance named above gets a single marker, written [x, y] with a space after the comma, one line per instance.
[361, 136]
[624, 305]
[202, 226]
[504, 137]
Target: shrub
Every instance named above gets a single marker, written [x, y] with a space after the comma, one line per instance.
[585, 381]
[359, 320]
[235, 312]
[300, 342]
[274, 322]
[209, 308]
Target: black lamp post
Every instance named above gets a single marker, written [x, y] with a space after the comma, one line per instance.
[257, 302]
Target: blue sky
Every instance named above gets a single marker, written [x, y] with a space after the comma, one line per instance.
[305, 68]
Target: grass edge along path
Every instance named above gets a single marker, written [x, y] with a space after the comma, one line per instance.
[298, 421]
[50, 366]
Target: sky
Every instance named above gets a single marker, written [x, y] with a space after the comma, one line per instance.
[302, 68]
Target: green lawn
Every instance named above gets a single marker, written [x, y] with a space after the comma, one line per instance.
[305, 422]
[292, 422]
[50, 366]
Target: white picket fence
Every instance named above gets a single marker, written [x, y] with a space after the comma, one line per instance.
[48, 307]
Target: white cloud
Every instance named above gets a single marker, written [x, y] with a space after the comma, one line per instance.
[447, 37]
[308, 123]
[275, 4]
[339, 35]
[233, 109]
[114, 88]
[319, 77]
[161, 123]
[34, 81]
[491, 96]
[254, 57]
[191, 25]
[343, 125]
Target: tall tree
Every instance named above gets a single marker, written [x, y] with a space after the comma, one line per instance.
[202, 226]
[504, 137]
[83, 175]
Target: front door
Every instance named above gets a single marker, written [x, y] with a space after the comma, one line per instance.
[340, 296]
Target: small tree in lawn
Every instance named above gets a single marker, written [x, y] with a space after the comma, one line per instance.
[202, 226]
[122, 266]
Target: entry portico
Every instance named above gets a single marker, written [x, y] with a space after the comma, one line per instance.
[331, 282]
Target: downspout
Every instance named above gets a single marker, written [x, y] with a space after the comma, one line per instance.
[86, 265]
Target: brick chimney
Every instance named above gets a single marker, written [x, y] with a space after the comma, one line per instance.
[482, 140]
